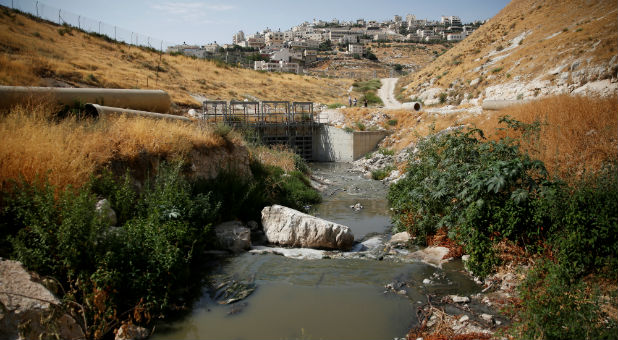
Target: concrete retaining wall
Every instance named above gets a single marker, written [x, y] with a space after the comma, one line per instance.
[331, 144]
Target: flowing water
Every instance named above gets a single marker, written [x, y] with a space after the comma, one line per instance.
[334, 298]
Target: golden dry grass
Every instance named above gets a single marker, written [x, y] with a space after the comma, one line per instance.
[558, 33]
[278, 156]
[69, 151]
[577, 133]
[35, 53]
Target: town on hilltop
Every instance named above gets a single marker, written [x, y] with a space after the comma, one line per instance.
[303, 45]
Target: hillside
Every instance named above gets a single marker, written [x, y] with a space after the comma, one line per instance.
[39, 53]
[531, 48]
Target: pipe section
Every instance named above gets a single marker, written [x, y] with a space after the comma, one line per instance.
[416, 106]
[95, 110]
[147, 100]
[501, 104]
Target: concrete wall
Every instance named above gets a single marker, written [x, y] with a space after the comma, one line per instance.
[332, 144]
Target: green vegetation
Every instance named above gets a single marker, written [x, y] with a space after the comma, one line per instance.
[392, 122]
[381, 174]
[334, 105]
[368, 89]
[486, 192]
[145, 264]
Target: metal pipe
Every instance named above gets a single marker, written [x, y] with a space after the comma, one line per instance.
[147, 100]
[95, 110]
[416, 106]
[501, 104]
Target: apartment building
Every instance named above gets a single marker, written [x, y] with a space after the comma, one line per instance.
[356, 49]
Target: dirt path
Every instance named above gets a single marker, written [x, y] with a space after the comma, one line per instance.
[387, 93]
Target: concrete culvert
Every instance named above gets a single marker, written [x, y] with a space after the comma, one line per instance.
[147, 100]
[416, 106]
[95, 111]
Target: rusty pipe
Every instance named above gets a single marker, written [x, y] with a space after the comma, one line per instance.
[96, 110]
[147, 100]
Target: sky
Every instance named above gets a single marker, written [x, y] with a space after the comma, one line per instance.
[201, 22]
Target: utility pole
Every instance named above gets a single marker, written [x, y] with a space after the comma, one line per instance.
[79, 22]
[59, 17]
[99, 28]
[37, 8]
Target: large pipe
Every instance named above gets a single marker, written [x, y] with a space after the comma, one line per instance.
[147, 100]
[95, 110]
[416, 106]
[501, 104]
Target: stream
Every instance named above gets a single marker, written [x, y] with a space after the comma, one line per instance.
[338, 297]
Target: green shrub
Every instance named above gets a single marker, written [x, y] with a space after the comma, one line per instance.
[392, 122]
[360, 126]
[381, 174]
[443, 96]
[369, 85]
[585, 228]
[387, 152]
[372, 98]
[481, 191]
[555, 308]
[334, 105]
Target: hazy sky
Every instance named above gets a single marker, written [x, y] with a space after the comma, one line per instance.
[201, 22]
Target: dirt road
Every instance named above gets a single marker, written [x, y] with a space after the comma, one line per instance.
[387, 93]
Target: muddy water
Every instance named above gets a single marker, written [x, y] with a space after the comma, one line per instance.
[325, 298]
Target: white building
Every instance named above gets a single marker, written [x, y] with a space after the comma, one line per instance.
[356, 49]
[211, 48]
[281, 66]
[455, 37]
[272, 38]
[238, 37]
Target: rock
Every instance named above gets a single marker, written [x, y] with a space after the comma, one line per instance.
[459, 299]
[293, 228]
[401, 238]
[430, 255]
[35, 312]
[464, 318]
[487, 317]
[297, 253]
[131, 332]
[427, 281]
[357, 206]
[465, 258]
[233, 236]
[104, 209]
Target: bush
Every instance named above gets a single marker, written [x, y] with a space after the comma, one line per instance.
[146, 262]
[555, 308]
[481, 191]
[143, 266]
[392, 122]
[381, 174]
[372, 98]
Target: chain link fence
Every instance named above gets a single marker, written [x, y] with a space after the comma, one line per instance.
[63, 17]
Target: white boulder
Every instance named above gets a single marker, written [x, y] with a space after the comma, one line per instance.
[289, 227]
[28, 310]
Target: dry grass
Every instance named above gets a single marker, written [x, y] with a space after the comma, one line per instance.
[577, 133]
[69, 151]
[585, 30]
[279, 156]
[35, 53]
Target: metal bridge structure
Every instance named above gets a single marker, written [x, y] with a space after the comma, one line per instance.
[292, 124]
